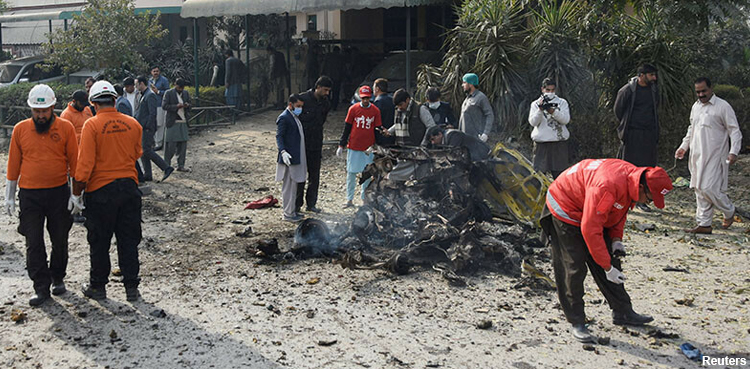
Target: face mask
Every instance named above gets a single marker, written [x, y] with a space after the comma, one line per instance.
[297, 111]
[434, 105]
[550, 95]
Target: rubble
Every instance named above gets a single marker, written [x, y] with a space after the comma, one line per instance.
[437, 219]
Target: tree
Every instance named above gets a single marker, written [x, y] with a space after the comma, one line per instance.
[3, 6]
[489, 41]
[106, 35]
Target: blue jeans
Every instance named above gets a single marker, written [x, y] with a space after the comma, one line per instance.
[351, 184]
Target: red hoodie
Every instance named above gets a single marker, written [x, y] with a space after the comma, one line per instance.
[596, 194]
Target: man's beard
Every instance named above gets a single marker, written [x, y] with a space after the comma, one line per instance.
[79, 107]
[42, 125]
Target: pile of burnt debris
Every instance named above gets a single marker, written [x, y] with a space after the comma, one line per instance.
[423, 210]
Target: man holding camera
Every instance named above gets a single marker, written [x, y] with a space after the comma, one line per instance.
[549, 115]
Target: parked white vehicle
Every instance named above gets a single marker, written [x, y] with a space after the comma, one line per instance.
[28, 69]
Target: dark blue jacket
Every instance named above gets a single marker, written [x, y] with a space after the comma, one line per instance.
[146, 113]
[443, 115]
[123, 106]
[288, 137]
[387, 109]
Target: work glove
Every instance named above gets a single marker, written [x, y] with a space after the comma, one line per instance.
[75, 204]
[617, 245]
[339, 151]
[286, 158]
[483, 137]
[615, 276]
[10, 196]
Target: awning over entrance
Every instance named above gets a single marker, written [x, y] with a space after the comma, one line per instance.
[31, 16]
[215, 8]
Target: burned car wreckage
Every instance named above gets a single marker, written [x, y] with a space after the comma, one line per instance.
[447, 213]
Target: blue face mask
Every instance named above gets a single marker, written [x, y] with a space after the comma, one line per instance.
[297, 111]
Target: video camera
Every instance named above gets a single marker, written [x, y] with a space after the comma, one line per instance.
[547, 103]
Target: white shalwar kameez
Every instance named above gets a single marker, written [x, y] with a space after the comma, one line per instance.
[712, 126]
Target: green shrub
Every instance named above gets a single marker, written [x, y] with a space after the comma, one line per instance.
[17, 94]
[210, 95]
[728, 92]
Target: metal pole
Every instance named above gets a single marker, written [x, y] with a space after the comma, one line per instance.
[408, 49]
[50, 26]
[1, 37]
[196, 64]
[247, 57]
[65, 24]
[288, 56]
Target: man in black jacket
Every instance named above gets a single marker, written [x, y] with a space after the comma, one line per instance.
[442, 112]
[146, 116]
[384, 101]
[636, 108]
[314, 114]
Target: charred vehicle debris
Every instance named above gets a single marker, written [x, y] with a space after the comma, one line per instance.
[448, 214]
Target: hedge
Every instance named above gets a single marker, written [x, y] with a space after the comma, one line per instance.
[18, 94]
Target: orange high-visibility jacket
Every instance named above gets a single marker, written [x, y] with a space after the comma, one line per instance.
[110, 145]
[42, 160]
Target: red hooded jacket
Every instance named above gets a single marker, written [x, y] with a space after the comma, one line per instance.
[595, 195]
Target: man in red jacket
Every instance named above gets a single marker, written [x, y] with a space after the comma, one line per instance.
[587, 206]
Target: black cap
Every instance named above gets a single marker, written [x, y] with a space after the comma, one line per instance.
[81, 96]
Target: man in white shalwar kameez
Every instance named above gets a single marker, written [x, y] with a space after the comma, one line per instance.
[291, 164]
[714, 140]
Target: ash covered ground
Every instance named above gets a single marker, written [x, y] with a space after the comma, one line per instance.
[210, 301]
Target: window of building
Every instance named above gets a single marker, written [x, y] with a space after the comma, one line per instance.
[312, 22]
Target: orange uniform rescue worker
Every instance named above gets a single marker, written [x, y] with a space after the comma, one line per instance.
[76, 112]
[43, 150]
[587, 206]
[110, 146]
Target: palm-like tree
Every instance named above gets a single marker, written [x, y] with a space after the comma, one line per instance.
[489, 40]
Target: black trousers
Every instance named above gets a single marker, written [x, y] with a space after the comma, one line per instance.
[36, 206]
[570, 257]
[150, 155]
[313, 180]
[114, 209]
[640, 147]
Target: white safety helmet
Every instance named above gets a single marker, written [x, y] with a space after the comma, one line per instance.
[41, 97]
[102, 91]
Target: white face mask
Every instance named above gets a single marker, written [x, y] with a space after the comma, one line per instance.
[550, 95]
[434, 105]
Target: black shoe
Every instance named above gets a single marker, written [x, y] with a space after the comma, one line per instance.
[167, 173]
[158, 148]
[38, 299]
[630, 318]
[78, 218]
[314, 209]
[146, 179]
[94, 292]
[581, 333]
[643, 207]
[59, 288]
[132, 294]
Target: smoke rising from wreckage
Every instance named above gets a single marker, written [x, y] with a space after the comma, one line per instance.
[437, 219]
